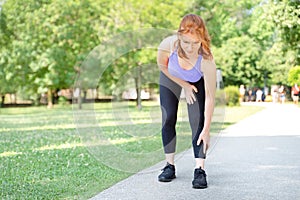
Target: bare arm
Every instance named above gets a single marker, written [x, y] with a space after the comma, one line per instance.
[209, 71]
[210, 91]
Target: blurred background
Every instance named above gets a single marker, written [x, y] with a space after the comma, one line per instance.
[43, 43]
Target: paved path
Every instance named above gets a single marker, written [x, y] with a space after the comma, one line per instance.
[257, 158]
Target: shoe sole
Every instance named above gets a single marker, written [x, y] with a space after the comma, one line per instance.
[166, 179]
[199, 187]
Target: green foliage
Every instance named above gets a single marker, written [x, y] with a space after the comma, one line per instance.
[275, 64]
[232, 96]
[48, 39]
[225, 19]
[294, 76]
[237, 58]
[285, 14]
[62, 100]
[44, 42]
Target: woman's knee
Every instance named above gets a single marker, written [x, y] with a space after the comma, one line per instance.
[170, 119]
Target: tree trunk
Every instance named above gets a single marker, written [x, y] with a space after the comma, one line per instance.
[138, 84]
[79, 99]
[3, 100]
[84, 95]
[55, 97]
[96, 94]
[49, 98]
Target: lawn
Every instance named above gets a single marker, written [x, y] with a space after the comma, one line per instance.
[65, 153]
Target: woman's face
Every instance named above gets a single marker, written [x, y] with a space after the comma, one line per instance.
[190, 43]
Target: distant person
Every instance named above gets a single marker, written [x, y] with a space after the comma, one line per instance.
[249, 95]
[295, 93]
[274, 93]
[242, 93]
[186, 62]
[282, 94]
[259, 94]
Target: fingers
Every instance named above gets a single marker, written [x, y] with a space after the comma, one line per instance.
[190, 99]
[194, 89]
[205, 147]
[193, 97]
[190, 96]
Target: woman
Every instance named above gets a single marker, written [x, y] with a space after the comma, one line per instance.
[186, 62]
[295, 93]
[282, 94]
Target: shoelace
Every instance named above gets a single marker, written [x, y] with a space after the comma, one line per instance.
[200, 174]
[166, 167]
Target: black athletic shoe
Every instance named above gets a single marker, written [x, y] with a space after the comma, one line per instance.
[199, 181]
[168, 173]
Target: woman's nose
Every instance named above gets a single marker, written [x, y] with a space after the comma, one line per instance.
[190, 47]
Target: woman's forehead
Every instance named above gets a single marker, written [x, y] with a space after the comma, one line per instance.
[189, 37]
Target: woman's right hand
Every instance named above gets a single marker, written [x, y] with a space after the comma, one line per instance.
[189, 93]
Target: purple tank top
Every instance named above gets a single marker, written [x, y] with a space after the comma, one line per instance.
[192, 75]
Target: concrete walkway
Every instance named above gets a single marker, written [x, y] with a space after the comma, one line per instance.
[257, 158]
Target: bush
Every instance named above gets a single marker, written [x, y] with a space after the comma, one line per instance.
[63, 101]
[220, 98]
[232, 96]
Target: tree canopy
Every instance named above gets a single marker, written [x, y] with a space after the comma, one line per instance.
[44, 42]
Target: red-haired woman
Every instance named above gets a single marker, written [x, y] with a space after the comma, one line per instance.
[186, 62]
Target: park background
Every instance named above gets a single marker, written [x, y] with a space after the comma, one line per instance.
[44, 42]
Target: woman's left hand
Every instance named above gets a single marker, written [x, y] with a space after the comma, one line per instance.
[205, 137]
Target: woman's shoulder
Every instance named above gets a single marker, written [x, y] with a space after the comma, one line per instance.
[168, 44]
[208, 63]
[208, 67]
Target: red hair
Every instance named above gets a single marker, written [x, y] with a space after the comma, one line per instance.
[194, 24]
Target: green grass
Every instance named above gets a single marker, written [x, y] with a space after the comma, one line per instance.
[235, 114]
[70, 154]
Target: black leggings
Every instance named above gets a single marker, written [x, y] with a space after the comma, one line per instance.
[169, 99]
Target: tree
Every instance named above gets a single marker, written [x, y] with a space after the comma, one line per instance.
[238, 60]
[225, 19]
[285, 15]
[11, 77]
[274, 27]
[132, 16]
[57, 34]
[66, 36]
[294, 76]
[44, 42]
